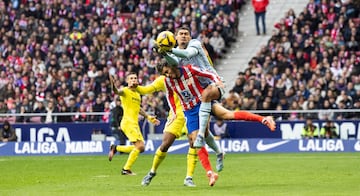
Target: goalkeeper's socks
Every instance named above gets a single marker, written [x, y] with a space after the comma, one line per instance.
[210, 141]
[204, 115]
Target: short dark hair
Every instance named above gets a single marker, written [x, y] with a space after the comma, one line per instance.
[161, 64]
[184, 27]
[131, 73]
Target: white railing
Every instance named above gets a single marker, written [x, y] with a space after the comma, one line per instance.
[270, 112]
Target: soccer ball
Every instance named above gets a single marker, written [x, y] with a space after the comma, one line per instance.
[166, 39]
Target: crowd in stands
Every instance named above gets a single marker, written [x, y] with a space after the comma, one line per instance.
[55, 55]
[311, 62]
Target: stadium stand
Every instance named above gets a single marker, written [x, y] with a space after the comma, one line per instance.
[60, 52]
[310, 62]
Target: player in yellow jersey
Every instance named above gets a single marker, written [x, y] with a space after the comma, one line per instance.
[173, 129]
[131, 102]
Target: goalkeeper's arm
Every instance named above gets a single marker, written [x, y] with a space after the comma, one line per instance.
[187, 53]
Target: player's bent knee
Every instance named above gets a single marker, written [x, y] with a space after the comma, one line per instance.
[164, 148]
[141, 149]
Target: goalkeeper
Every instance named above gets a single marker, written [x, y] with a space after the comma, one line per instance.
[190, 51]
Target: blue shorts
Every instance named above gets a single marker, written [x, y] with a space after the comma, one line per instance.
[192, 119]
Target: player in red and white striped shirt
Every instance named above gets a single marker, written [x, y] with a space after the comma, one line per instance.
[188, 82]
[189, 87]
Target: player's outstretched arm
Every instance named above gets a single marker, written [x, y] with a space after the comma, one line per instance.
[150, 118]
[185, 53]
[172, 59]
[157, 85]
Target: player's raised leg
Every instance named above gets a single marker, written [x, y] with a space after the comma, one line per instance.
[210, 93]
[223, 113]
[119, 148]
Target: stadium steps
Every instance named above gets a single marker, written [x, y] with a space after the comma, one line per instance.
[249, 43]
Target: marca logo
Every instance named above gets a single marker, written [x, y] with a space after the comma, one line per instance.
[346, 129]
[3, 144]
[264, 147]
[83, 147]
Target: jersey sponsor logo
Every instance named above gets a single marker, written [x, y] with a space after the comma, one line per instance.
[178, 147]
[357, 146]
[264, 147]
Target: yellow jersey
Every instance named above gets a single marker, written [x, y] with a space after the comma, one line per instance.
[131, 103]
[159, 85]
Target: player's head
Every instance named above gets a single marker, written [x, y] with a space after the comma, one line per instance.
[132, 80]
[183, 36]
[170, 71]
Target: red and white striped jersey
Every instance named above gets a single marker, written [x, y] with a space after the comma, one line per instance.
[189, 86]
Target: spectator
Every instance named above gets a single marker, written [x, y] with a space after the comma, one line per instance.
[50, 44]
[310, 131]
[116, 116]
[3, 107]
[7, 133]
[260, 11]
[50, 109]
[315, 58]
[220, 129]
[22, 118]
[328, 131]
[64, 118]
[218, 43]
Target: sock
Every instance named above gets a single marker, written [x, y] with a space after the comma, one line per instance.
[125, 149]
[158, 158]
[248, 116]
[132, 158]
[204, 115]
[191, 162]
[204, 159]
[210, 141]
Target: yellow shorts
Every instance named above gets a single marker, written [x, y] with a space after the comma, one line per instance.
[177, 127]
[132, 132]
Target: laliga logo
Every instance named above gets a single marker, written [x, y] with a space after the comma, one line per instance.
[46, 134]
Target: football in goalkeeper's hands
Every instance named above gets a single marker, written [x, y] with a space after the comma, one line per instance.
[166, 40]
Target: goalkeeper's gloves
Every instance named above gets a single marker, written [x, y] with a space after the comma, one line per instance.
[160, 49]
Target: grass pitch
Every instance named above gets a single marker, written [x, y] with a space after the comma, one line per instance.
[244, 174]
